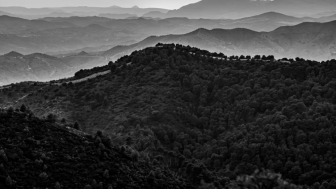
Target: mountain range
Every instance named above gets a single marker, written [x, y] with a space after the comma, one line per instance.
[15, 67]
[316, 41]
[234, 9]
[208, 9]
[13, 25]
[204, 96]
[66, 34]
[309, 40]
[36, 13]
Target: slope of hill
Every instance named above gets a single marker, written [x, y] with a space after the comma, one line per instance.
[43, 154]
[316, 41]
[15, 67]
[223, 118]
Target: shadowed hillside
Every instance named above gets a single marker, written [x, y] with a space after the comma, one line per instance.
[39, 153]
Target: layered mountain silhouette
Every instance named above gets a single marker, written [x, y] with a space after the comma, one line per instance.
[111, 10]
[243, 8]
[15, 67]
[14, 25]
[27, 11]
[73, 35]
[267, 21]
[210, 9]
[36, 13]
[315, 41]
[67, 34]
[77, 20]
[308, 40]
[43, 36]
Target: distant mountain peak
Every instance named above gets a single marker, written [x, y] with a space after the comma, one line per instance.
[83, 53]
[274, 14]
[200, 30]
[13, 54]
[40, 55]
[135, 7]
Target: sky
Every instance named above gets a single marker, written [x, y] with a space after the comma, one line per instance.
[168, 4]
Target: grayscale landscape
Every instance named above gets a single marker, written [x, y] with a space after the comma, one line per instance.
[188, 94]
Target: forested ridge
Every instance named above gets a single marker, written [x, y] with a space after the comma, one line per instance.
[211, 118]
[240, 116]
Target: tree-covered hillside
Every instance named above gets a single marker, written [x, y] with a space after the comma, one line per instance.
[37, 153]
[209, 118]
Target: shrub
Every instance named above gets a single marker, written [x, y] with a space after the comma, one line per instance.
[76, 125]
[88, 187]
[3, 156]
[106, 174]
[10, 110]
[9, 181]
[51, 118]
[43, 176]
[101, 146]
[99, 133]
[23, 108]
[94, 183]
[58, 185]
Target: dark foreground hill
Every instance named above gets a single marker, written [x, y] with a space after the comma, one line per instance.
[38, 153]
[207, 117]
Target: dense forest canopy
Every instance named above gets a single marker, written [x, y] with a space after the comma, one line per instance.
[211, 117]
